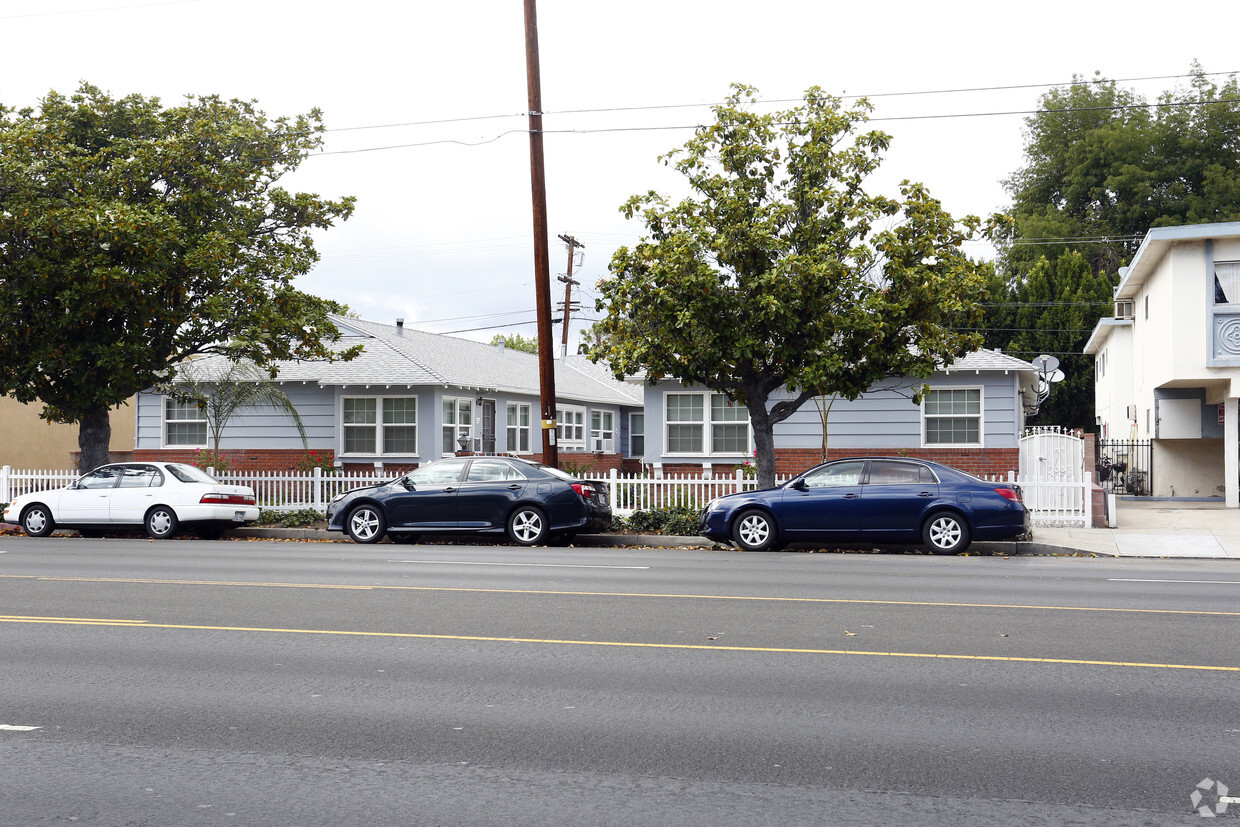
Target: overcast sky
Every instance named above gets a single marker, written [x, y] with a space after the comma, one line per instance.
[425, 106]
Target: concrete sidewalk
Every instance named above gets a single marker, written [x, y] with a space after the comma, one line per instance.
[1148, 527]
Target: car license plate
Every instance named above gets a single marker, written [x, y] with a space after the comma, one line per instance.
[238, 516]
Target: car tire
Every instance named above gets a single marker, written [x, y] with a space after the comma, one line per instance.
[527, 526]
[161, 523]
[37, 521]
[366, 524]
[946, 532]
[754, 530]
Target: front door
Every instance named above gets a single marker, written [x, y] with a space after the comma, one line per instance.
[88, 501]
[426, 497]
[488, 426]
[824, 503]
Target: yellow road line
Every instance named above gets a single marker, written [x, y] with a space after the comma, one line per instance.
[609, 643]
[565, 593]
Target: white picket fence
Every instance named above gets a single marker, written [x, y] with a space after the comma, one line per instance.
[1055, 503]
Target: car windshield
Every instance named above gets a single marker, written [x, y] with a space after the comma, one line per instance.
[188, 473]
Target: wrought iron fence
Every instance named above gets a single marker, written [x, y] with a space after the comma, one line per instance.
[1126, 466]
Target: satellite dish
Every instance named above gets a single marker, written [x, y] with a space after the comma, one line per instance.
[1045, 363]
[1056, 375]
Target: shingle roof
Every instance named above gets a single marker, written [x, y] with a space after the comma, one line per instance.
[403, 356]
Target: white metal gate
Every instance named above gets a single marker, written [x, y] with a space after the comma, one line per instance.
[1052, 476]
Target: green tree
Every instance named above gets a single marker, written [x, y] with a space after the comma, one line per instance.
[515, 341]
[780, 271]
[1101, 168]
[133, 237]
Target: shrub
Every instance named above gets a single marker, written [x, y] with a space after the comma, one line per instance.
[312, 459]
[296, 518]
[678, 520]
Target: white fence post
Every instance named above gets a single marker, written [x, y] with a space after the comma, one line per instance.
[318, 497]
[4, 485]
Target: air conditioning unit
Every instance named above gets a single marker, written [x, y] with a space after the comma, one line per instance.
[1125, 309]
[604, 446]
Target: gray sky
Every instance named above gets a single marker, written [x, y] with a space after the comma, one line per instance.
[425, 103]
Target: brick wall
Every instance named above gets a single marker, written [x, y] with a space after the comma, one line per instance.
[791, 461]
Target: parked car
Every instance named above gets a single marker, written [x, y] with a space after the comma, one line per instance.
[530, 502]
[880, 500]
[162, 497]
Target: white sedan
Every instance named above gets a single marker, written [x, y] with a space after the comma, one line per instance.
[162, 497]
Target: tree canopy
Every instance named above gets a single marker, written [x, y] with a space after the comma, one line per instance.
[1103, 166]
[781, 271]
[515, 341]
[134, 237]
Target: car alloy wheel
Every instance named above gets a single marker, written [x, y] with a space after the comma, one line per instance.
[37, 521]
[527, 526]
[366, 524]
[754, 530]
[946, 533]
[161, 522]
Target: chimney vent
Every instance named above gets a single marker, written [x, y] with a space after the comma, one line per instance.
[400, 327]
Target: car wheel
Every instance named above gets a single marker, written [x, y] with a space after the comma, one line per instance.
[754, 530]
[946, 533]
[366, 524]
[161, 523]
[527, 526]
[37, 521]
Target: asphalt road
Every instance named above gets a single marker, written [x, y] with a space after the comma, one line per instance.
[327, 683]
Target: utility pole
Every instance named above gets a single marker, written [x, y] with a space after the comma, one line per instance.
[573, 246]
[542, 266]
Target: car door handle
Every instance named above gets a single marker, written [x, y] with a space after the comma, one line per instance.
[449, 490]
[514, 487]
[852, 496]
[926, 494]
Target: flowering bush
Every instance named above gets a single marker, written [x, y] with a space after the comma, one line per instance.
[749, 468]
[205, 459]
[325, 461]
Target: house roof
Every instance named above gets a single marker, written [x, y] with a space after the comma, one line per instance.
[985, 359]
[394, 356]
[1156, 244]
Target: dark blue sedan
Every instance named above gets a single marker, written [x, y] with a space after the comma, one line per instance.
[879, 500]
[530, 502]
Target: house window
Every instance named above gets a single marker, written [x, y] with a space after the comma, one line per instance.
[953, 416]
[458, 421]
[380, 425]
[519, 427]
[570, 428]
[637, 434]
[690, 431]
[602, 431]
[1226, 282]
[185, 423]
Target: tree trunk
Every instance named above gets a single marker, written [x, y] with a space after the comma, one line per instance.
[94, 436]
[763, 443]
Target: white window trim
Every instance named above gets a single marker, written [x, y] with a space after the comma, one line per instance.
[633, 434]
[708, 448]
[378, 426]
[458, 402]
[564, 442]
[163, 426]
[981, 418]
[528, 428]
[601, 438]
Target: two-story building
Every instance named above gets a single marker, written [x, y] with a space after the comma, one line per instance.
[1167, 365]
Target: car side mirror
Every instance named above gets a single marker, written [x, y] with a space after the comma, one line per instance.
[799, 484]
[409, 486]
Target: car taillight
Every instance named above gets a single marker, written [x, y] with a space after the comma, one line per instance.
[584, 489]
[219, 498]
[1012, 494]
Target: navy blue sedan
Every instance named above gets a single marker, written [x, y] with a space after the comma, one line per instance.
[532, 503]
[876, 500]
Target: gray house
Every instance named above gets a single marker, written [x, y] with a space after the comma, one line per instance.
[413, 397]
[409, 398]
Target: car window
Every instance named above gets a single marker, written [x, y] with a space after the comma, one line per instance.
[101, 477]
[437, 473]
[887, 472]
[189, 473]
[835, 474]
[140, 476]
[492, 470]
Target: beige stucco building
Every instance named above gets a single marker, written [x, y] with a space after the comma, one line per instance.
[1167, 365]
[28, 442]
